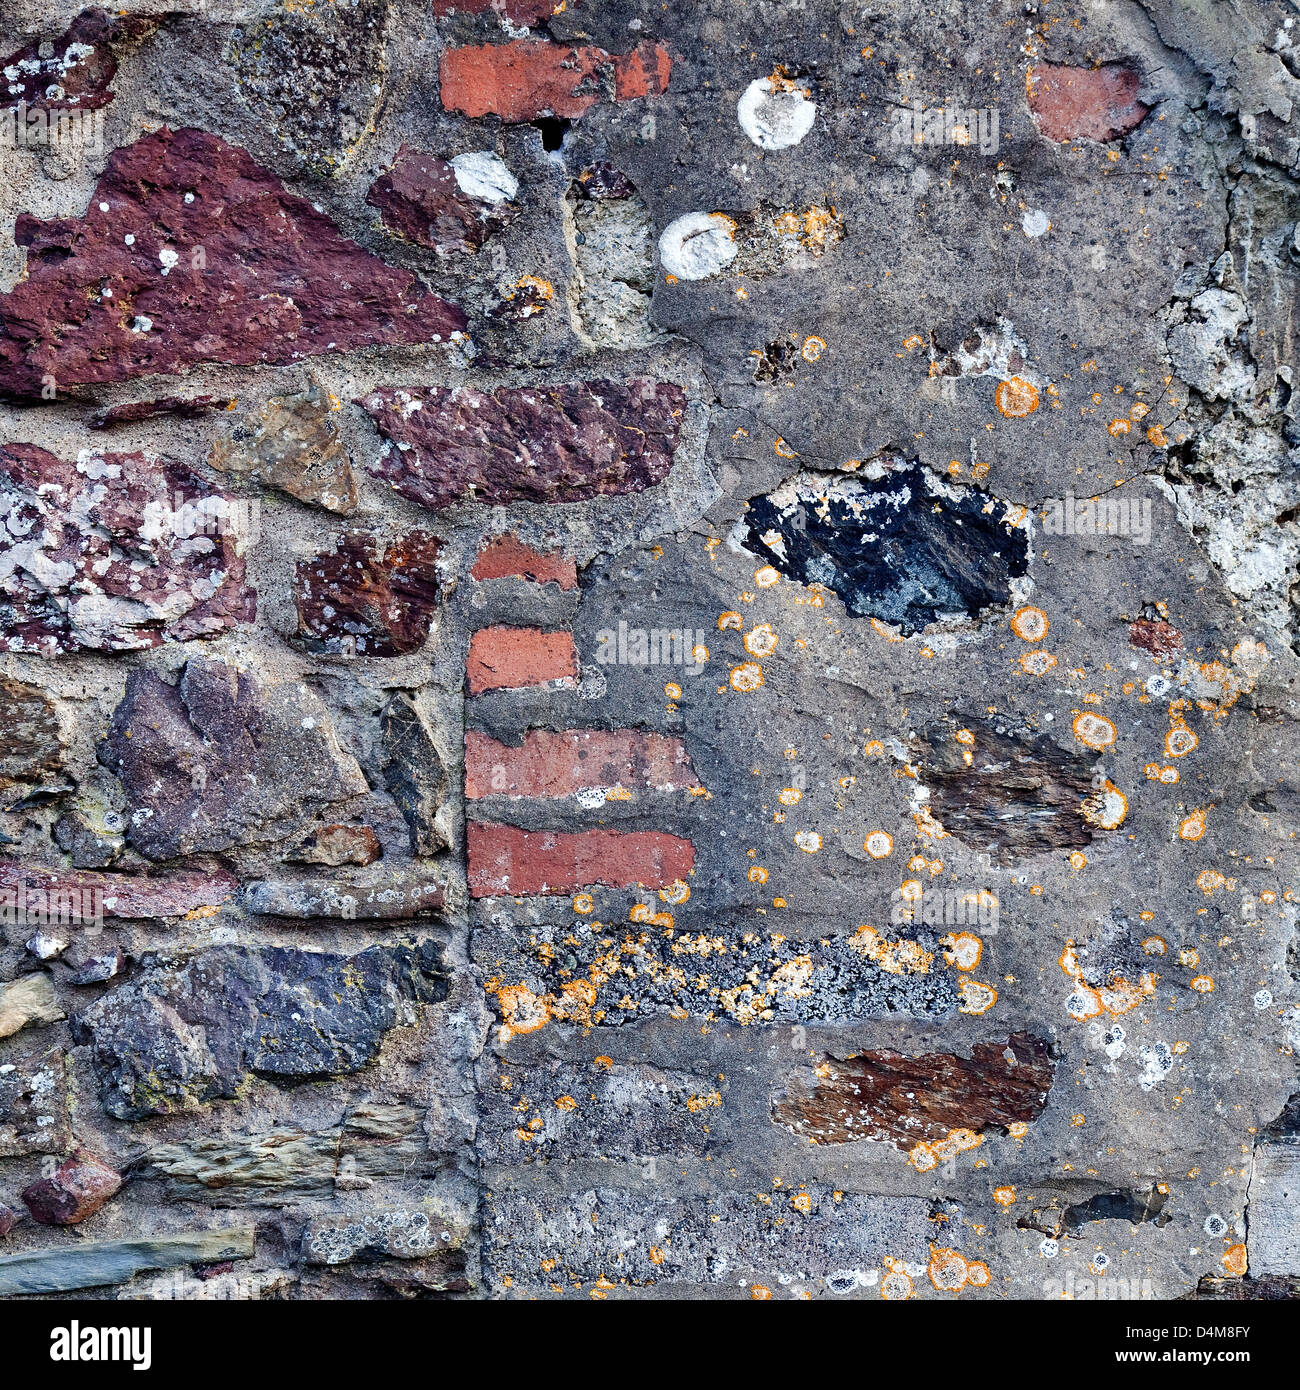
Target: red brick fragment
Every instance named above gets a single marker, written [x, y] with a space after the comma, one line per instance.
[560, 764]
[78, 1188]
[510, 658]
[1084, 103]
[1156, 636]
[527, 78]
[507, 557]
[504, 860]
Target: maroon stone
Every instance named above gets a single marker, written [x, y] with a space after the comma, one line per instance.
[114, 552]
[133, 411]
[603, 182]
[1154, 635]
[525, 13]
[563, 443]
[258, 276]
[135, 896]
[8, 1219]
[420, 201]
[365, 601]
[908, 1100]
[75, 80]
[79, 1187]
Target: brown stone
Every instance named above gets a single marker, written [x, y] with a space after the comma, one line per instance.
[334, 845]
[32, 744]
[420, 200]
[904, 1100]
[1018, 796]
[78, 1188]
[85, 897]
[293, 444]
[73, 72]
[1154, 635]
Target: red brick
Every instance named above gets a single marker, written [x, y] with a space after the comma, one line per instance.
[560, 764]
[503, 860]
[1089, 103]
[527, 78]
[507, 557]
[509, 658]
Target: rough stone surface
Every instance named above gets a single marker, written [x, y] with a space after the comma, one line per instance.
[176, 1038]
[824, 806]
[114, 552]
[284, 283]
[215, 760]
[564, 443]
[293, 444]
[77, 1188]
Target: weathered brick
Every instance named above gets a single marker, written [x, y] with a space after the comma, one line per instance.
[504, 860]
[510, 658]
[568, 442]
[507, 557]
[561, 764]
[1070, 103]
[527, 78]
[283, 284]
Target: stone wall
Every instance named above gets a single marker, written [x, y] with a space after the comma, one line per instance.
[648, 650]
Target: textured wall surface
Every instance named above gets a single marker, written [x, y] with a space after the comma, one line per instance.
[649, 650]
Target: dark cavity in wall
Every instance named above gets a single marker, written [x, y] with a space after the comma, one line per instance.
[900, 547]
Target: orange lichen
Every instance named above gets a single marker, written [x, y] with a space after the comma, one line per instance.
[1106, 807]
[746, 677]
[1030, 624]
[962, 949]
[879, 844]
[761, 640]
[1015, 398]
[1036, 663]
[1094, 731]
[976, 998]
